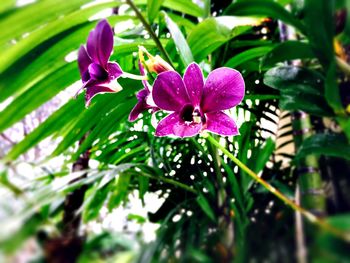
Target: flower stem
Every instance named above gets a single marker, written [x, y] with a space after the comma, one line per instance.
[312, 218]
[132, 76]
[150, 31]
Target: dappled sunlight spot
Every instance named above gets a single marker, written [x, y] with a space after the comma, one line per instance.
[176, 218]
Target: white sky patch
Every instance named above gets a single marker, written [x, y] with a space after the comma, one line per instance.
[102, 14]
[72, 56]
[24, 2]
[96, 2]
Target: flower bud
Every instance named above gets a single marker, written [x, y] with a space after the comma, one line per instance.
[154, 63]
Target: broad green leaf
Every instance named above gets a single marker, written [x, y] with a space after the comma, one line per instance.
[324, 144]
[37, 95]
[320, 15]
[153, 9]
[46, 32]
[247, 55]
[184, 6]
[58, 120]
[211, 33]
[6, 5]
[287, 51]
[301, 89]
[267, 8]
[45, 59]
[26, 19]
[290, 78]
[180, 41]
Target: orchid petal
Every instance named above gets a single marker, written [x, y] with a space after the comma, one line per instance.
[95, 90]
[114, 70]
[194, 82]
[223, 89]
[173, 124]
[169, 92]
[83, 62]
[220, 123]
[100, 43]
[97, 72]
[140, 107]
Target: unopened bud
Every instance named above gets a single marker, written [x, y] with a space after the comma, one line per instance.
[154, 63]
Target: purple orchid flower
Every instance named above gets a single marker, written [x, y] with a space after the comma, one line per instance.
[195, 105]
[144, 98]
[97, 73]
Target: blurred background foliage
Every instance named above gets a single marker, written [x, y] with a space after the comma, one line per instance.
[85, 185]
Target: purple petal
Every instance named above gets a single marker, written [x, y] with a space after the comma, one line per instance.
[173, 124]
[169, 92]
[114, 70]
[95, 90]
[140, 107]
[83, 62]
[220, 123]
[223, 89]
[100, 43]
[194, 83]
[97, 72]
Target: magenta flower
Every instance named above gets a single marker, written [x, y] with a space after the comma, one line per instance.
[195, 105]
[97, 73]
[144, 98]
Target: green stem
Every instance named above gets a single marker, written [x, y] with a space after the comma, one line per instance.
[150, 31]
[313, 197]
[311, 217]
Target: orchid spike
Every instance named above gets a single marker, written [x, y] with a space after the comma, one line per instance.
[97, 73]
[144, 97]
[197, 105]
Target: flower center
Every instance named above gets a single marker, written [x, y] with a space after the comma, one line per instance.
[190, 114]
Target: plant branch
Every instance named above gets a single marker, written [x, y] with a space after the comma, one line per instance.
[150, 31]
[311, 217]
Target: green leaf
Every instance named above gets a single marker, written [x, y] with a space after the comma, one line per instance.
[262, 156]
[247, 55]
[96, 201]
[37, 95]
[286, 51]
[120, 192]
[204, 204]
[180, 41]
[153, 9]
[266, 8]
[320, 14]
[301, 89]
[58, 120]
[332, 93]
[184, 6]
[334, 145]
[26, 19]
[210, 34]
[46, 32]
